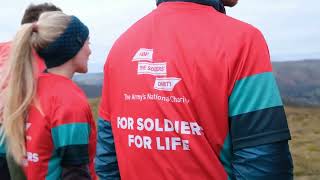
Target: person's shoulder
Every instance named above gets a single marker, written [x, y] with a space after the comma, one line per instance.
[58, 86]
[4, 50]
[128, 39]
[5, 45]
[238, 27]
[4, 54]
[62, 92]
[136, 30]
[53, 80]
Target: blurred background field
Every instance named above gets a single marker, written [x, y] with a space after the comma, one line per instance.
[304, 124]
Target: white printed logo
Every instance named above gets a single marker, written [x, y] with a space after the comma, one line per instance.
[28, 125]
[143, 55]
[156, 69]
[33, 157]
[166, 84]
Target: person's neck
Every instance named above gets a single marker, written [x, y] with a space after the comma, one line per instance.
[63, 70]
[216, 4]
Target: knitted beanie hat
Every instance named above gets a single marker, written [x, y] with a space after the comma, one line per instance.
[67, 45]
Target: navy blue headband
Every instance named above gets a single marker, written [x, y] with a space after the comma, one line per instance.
[67, 45]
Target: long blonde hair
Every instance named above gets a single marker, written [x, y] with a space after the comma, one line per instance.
[21, 89]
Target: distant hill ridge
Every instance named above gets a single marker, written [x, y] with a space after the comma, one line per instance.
[299, 82]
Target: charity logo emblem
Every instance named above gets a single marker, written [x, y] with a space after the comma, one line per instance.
[143, 54]
[166, 84]
[154, 69]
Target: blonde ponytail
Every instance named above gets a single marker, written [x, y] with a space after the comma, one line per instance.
[21, 89]
[20, 92]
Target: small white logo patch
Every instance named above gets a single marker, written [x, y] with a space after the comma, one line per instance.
[166, 84]
[33, 157]
[143, 55]
[156, 69]
[28, 125]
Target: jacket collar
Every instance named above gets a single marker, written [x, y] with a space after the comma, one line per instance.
[216, 4]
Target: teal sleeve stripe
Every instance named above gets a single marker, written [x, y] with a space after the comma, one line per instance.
[54, 168]
[2, 143]
[226, 156]
[2, 148]
[70, 134]
[254, 93]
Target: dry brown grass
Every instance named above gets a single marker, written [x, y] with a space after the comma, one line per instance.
[304, 124]
[94, 106]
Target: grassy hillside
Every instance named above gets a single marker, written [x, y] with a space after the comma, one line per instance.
[94, 106]
[299, 81]
[304, 124]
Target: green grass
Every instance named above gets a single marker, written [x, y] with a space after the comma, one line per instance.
[304, 124]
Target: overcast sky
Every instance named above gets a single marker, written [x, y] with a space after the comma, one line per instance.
[291, 27]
